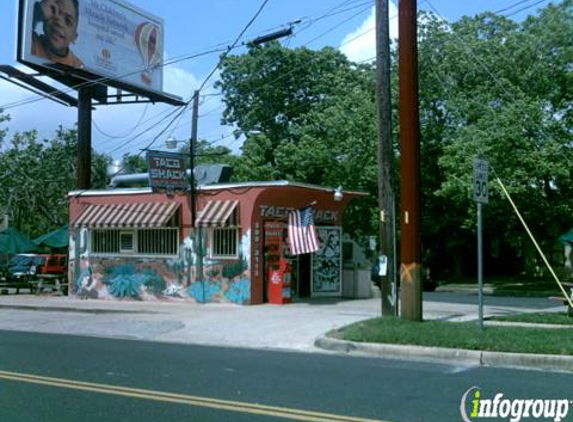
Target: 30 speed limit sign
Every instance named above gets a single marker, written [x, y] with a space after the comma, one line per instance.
[481, 168]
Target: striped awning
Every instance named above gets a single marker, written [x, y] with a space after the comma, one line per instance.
[142, 214]
[218, 213]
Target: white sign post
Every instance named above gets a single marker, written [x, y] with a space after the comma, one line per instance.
[481, 196]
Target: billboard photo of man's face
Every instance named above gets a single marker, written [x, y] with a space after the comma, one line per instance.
[59, 24]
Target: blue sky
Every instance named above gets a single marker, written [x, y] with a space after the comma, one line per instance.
[194, 26]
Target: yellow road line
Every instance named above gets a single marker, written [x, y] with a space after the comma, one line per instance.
[229, 405]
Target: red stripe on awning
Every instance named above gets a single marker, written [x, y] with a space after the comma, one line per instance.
[217, 213]
[141, 214]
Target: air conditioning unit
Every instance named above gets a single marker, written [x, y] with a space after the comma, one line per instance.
[209, 174]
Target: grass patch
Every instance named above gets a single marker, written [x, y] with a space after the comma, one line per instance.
[466, 335]
[537, 318]
[520, 286]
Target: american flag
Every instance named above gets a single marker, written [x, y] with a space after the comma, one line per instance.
[302, 232]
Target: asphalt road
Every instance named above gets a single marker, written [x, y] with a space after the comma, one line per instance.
[46, 377]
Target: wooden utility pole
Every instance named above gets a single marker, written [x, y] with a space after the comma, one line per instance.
[193, 190]
[385, 160]
[410, 269]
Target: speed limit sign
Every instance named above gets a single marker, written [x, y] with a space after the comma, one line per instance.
[481, 168]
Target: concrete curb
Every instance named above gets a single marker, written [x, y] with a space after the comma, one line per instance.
[449, 355]
[68, 309]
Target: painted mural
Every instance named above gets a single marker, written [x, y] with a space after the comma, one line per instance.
[163, 279]
[327, 263]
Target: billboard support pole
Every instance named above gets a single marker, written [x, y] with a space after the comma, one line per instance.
[83, 173]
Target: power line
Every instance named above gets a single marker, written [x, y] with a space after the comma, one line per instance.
[339, 24]
[129, 131]
[226, 53]
[505, 9]
[108, 78]
[174, 119]
[525, 8]
[332, 12]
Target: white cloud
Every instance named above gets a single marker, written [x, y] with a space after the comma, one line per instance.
[360, 44]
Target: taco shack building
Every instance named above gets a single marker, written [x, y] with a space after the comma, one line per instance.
[133, 243]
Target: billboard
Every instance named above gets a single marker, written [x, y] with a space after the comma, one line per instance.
[166, 171]
[104, 38]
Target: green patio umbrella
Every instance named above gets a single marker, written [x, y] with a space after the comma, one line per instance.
[58, 238]
[566, 237]
[14, 242]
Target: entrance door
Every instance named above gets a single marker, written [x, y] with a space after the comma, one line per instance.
[327, 263]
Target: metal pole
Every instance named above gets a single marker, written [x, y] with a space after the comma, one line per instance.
[83, 171]
[410, 282]
[480, 266]
[385, 157]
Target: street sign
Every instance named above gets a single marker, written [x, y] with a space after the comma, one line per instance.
[481, 168]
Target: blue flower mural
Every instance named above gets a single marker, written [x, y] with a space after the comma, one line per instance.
[239, 291]
[202, 291]
[122, 281]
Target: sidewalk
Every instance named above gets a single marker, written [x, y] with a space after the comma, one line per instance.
[298, 326]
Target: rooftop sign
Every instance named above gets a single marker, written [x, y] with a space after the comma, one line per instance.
[166, 171]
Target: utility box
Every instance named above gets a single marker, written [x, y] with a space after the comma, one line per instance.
[356, 283]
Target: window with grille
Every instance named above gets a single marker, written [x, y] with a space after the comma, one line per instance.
[126, 242]
[143, 242]
[224, 242]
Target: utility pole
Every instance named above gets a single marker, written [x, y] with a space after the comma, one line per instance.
[192, 189]
[410, 269]
[385, 160]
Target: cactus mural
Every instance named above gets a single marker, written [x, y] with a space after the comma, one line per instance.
[168, 278]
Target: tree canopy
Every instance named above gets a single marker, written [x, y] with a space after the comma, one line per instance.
[490, 87]
[36, 176]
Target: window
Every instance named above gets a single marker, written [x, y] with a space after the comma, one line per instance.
[224, 242]
[142, 242]
[160, 241]
[105, 241]
[126, 242]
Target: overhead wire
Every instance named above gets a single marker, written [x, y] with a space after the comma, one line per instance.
[232, 133]
[525, 8]
[226, 53]
[361, 11]
[185, 57]
[304, 45]
[105, 79]
[128, 132]
[230, 48]
[511, 6]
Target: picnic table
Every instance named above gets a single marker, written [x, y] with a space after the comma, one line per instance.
[17, 283]
[54, 282]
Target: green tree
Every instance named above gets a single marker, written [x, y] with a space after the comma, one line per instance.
[500, 90]
[36, 177]
[306, 116]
